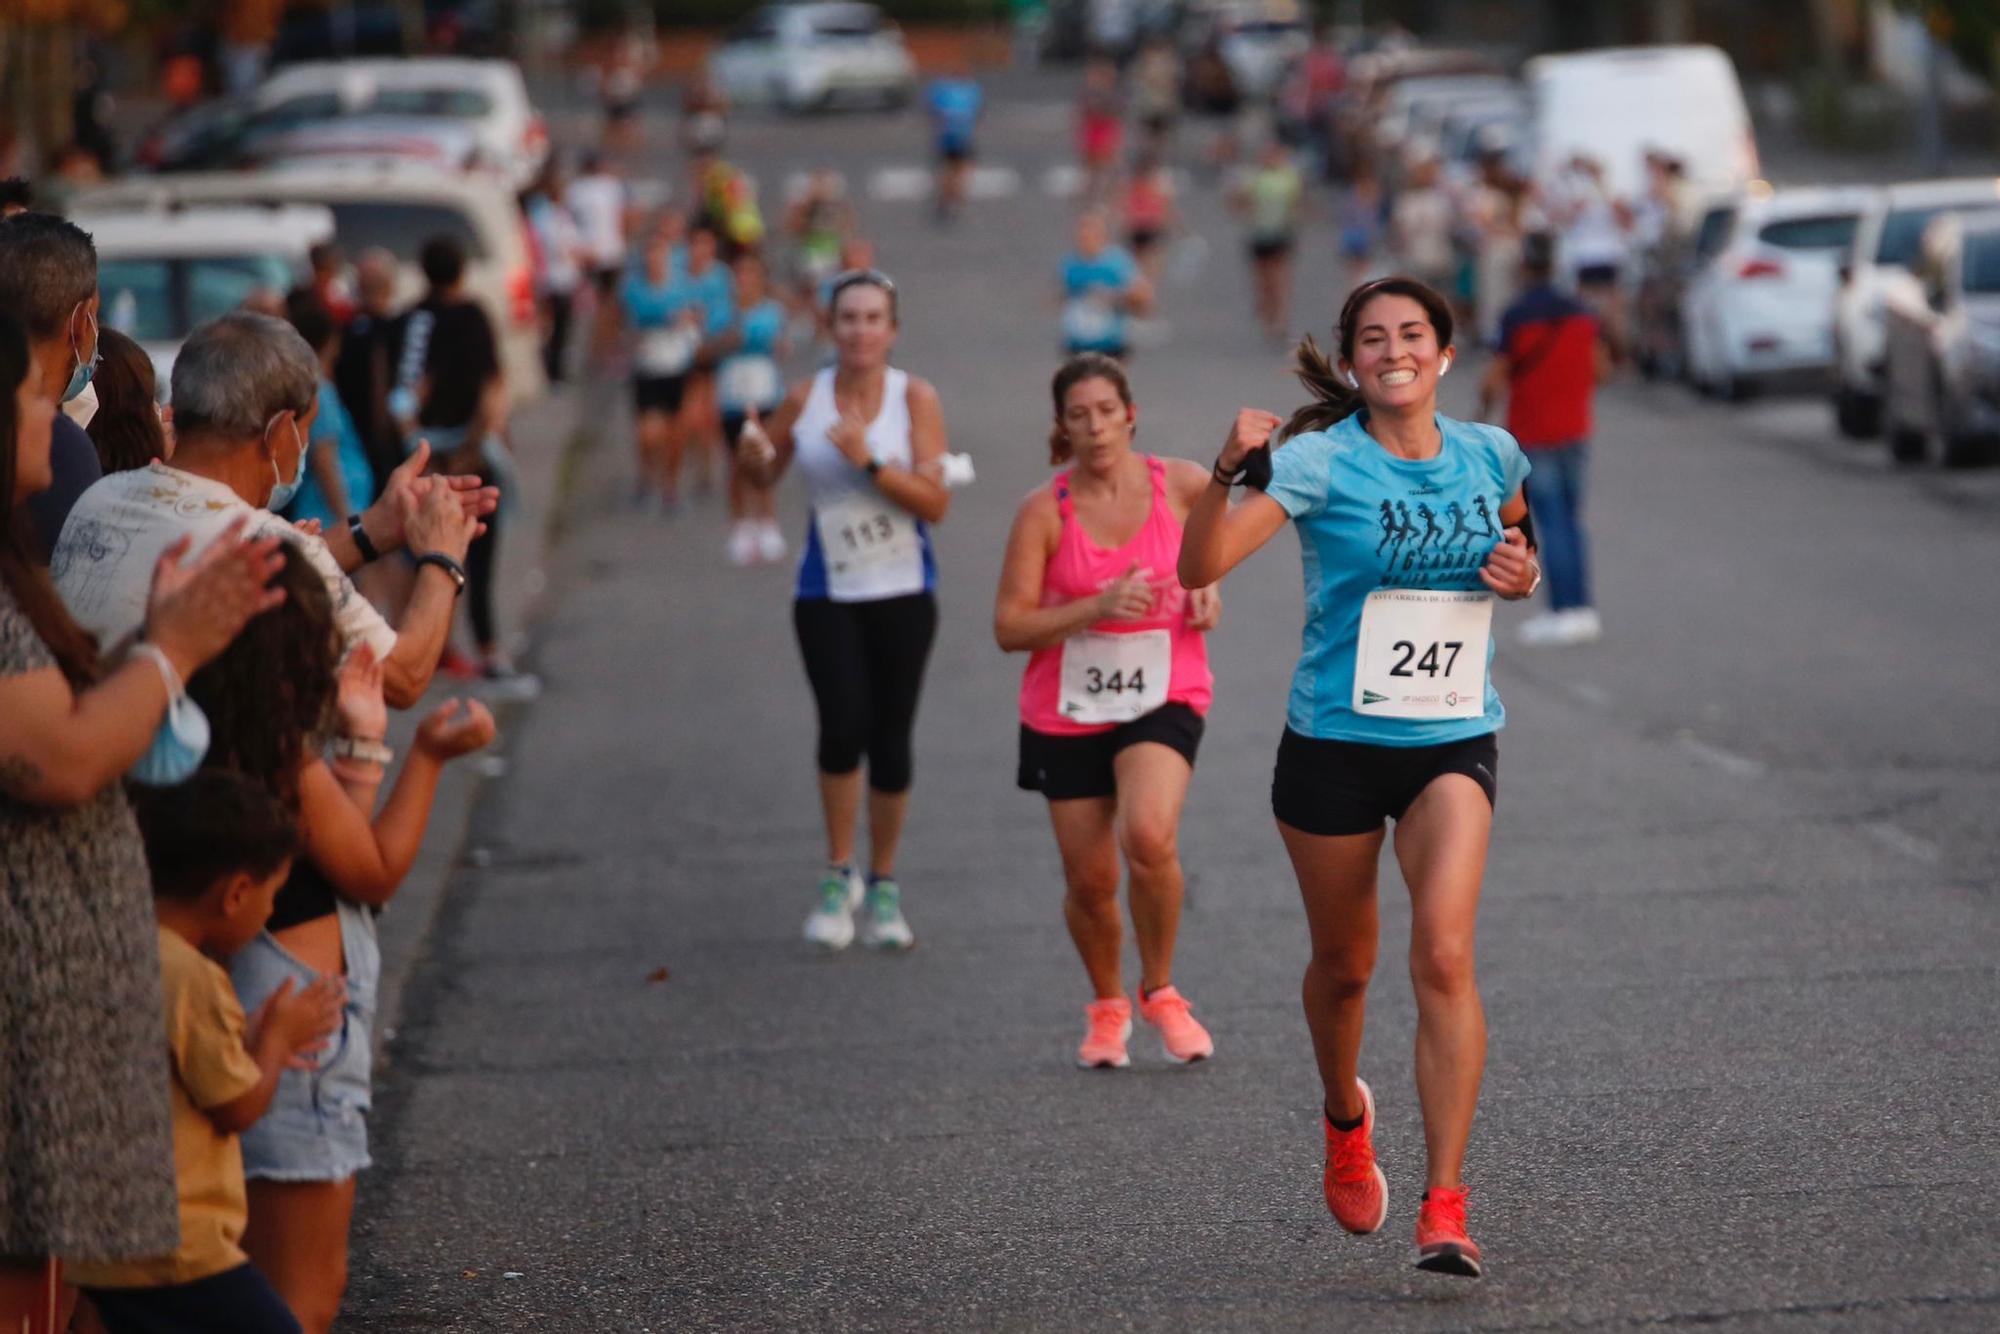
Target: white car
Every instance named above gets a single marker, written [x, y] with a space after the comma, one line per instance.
[804, 57]
[488, 96]
[1615, 104]
[1761, 307]
[1880, 261]
[1258, 41]
[397, 206]
[1414, 111]
[161, 272]
[1942, 370]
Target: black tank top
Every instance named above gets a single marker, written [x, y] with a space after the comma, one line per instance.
[305, 896]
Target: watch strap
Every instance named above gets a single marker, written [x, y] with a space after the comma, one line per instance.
[445, 563]
[362, 542]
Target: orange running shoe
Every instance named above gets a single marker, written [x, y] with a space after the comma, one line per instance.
[1356, 1190]
[1110, 1025]
[1183, 1038]
[1442, 1246]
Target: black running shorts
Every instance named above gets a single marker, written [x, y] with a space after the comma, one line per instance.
[1064, 768]
[1347, 787]
[658, 393]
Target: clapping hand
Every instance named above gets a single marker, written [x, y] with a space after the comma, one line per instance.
[456, 727]
[849, 435]
[362, 711]
[386, 521]
[754, 449]
[197, 607]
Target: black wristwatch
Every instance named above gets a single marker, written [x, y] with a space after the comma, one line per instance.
[447, 564]
[362, 542]
[873, 467]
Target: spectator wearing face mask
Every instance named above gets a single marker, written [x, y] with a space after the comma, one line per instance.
[48, 279]
[244, 397]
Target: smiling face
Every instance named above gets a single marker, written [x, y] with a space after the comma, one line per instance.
[864, 326]
[1098, 423]
[1396, 358]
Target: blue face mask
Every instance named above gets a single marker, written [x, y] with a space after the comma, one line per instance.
[80, 377]
[181, 743]
[282, 493]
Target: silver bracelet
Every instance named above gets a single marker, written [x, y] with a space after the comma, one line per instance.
[365, 749]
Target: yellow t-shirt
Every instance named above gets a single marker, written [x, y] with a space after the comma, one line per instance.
[211, 1066]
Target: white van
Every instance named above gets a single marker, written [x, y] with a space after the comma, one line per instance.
[1615, 104]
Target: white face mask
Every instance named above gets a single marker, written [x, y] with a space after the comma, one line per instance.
[83, 407]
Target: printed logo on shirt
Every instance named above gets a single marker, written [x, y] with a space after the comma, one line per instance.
[1418, 541]
[1370, 697]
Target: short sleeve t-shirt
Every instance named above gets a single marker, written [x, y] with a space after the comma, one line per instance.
[103, 565]
[210, 1067]
[1550, 342]
[460, 359]
[954, 108]
[1369, 520]
[1093, 319]
[333, 431]
[714, 291]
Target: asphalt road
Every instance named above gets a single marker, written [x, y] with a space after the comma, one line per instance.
[1737, 948]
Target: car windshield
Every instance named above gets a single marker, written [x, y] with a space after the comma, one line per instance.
[1832, 232]
[847, 23]
[457, 103]
[1982, 263]
[401, 227]
[159, 299]
[1715, 227]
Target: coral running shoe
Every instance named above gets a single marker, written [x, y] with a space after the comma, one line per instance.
[1442, 1246]
[1110, 1025]
[1181, 1036]
[1356, 1190]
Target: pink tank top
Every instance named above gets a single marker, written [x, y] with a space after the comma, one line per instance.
[1081, 568]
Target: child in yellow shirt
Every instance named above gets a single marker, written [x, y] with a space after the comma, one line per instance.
[219, 846]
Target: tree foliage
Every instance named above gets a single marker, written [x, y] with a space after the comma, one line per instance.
[1971, 28]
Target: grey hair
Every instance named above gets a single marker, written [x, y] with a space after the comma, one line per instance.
[236, 373]
[48, 267]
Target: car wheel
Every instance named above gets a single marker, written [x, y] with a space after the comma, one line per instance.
[1858, 415]
[1737, 389]
[1957, 449]
[1906, 444]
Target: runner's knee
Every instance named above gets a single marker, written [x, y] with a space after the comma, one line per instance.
[840, 747]
[1151, 846]
[1339, 976]
[1441, 967]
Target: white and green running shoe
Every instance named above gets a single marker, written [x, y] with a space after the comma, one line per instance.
[831, 925]
[882, 924]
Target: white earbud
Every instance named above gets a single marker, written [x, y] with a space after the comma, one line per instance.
[1352, 382]
[1445, 369]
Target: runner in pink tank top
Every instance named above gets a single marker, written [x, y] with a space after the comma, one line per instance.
[1080, 569]
[1115, 693]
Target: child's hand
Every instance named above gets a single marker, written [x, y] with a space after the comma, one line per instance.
[457, 727]
[299, 1024]
[360, 705]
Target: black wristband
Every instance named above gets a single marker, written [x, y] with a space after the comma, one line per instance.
[362, 542]
[447, 564]
[1226, 478]
[873, 467]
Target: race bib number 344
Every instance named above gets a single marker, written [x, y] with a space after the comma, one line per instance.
[1422, 654]
[1115, 678]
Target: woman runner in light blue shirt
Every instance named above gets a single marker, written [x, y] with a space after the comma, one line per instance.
[1409, 524]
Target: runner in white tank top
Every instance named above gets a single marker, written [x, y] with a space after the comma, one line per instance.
[869, 440]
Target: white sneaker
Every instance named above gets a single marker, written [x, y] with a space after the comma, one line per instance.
[882, 923]
[1581, 625]
[831, 925]
[1547, 628]
[743, 543]
[770, 541]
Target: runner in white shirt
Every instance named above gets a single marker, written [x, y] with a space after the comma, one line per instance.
[866, 436]
[601, 203]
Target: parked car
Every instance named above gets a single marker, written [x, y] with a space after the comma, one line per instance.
[444, 145]
[1414, 109]
[1258, 40]
[807, 57]
[487, 96]
[398, 206]
[1613, 105]
[1878, 263]
[162, 271]
[1942, 371]
[1760, 309]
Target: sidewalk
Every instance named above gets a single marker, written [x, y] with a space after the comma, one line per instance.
[541, 436]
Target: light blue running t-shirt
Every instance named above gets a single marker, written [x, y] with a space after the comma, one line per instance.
[1368, 520]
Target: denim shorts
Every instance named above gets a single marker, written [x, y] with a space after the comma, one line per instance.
[316, 1128]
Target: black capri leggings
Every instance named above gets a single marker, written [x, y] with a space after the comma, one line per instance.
[866, 664]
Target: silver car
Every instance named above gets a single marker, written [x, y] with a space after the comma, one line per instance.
[1942, 376]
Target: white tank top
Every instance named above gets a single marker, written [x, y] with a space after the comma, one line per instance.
[829, 475]
[863, 546]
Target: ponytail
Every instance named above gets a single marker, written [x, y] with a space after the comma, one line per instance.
[1059, 447]
[1333, 399]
